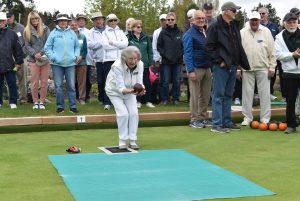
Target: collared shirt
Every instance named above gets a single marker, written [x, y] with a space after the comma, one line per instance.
[259, 48]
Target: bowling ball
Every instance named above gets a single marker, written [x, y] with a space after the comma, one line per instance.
[263, 126]
[254, 124]
[138, 88]
[282, 126]
[273, 126]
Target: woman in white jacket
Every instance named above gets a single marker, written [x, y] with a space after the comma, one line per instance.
[116, 41]
[124, 74]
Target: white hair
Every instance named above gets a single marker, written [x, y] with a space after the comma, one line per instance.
[129, 52]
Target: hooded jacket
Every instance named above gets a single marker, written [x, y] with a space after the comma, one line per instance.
[62, 47]
[10, 50]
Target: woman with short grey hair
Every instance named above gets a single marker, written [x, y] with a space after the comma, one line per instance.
[124, 74]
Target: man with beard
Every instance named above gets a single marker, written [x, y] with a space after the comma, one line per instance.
[287, 50]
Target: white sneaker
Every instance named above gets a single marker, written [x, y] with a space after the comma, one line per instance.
[81, 102]
[42, 106]
[272, 97]
[13, 106]
[0, 105]
[149, 104]
[139, 105]
[245, 123]
[106, 107]
[122, 144]
[237, 101]
[35, 106]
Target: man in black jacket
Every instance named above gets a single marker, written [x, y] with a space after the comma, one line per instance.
[169, 45]
[225, 52]
[11, 59]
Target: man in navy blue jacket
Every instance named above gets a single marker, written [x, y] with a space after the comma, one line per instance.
[198, 70]
[11, 59]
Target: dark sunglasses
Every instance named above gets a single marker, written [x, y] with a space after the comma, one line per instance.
[113, 20]
[200, 18]
[171, 19]
[139, 27]
[233, 10]
[262, 13]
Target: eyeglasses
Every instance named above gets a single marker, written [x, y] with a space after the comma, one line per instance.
[162, 19]
[139, 27]
[113, 20]
[262, 13]
[34, 18]
[171, 20]
[189, 18]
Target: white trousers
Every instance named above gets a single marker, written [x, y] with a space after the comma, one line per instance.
[263, 86]
[127, 116]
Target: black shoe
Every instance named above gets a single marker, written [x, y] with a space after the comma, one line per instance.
[74, 110]
[233, 127]
[60, 110]
[290, 130]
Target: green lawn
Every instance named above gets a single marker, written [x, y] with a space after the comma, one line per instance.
[270, 159]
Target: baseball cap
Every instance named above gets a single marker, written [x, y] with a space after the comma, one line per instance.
[229, 5]
[162, 16]
[9, 14]
[190, 12]
[290, 16]
[254, 15]
[296, 11]
[208, 6]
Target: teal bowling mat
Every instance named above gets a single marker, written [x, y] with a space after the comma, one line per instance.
[164, 175]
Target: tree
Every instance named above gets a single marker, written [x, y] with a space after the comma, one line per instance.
[180, 8]
[17, 7]
[272, 13]
[146, 10]
[241, 16]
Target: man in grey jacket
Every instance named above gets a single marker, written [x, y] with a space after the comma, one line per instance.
[22, 73]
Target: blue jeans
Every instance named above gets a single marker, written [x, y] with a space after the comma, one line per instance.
[10, 77]
[69, 73]
[102, 72]
[167, 73]
[223, 86]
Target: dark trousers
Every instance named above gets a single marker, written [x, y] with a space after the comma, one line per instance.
[272, 81]
[237, 89]
[10, 77]
[102, 72]
[88, 85]
[147, 97]
[282, 85]
[291, 89]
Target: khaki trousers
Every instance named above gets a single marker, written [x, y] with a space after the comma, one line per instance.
[81, 81]
[263, 86]
[22, 81]
[200, 91]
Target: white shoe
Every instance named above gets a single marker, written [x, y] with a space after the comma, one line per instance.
[237, 101]
[42, 106]
[81, 102]
[139, 105]
[272, 97]
[122, 144]
[245, 123]
[149, 104]
[13, 106]
[106, 107]
[0, 105]
[35, 106]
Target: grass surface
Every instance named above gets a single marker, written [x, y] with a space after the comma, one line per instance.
[270, 159]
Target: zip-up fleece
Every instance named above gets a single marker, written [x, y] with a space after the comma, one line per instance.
[121, 77]
[62, 47]
[118, 41]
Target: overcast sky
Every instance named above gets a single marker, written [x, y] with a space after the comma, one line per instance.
[77, 6]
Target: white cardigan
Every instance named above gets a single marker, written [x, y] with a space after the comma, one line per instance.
[120, 77]
[283, 54]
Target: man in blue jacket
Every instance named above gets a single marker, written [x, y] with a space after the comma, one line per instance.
[198, 70]
[11, 59]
